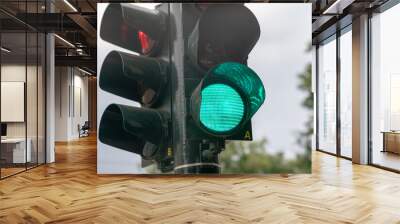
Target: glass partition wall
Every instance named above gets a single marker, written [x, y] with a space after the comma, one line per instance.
[385, 89]
[334, 82]
[22, 88]
[327, 95]
[13, 91]
[334, 126]
[345, 91]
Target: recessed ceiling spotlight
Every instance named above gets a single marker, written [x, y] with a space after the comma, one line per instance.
[64, 40]
[5, 50]
[84, 71]
[70, 5]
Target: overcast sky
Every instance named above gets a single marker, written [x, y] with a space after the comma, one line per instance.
[278, 57]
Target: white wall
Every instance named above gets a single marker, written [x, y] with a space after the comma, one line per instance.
[17, 73]
[61, 103]
[81, 84]
[33, 125]
[14, 73]
[70, 83]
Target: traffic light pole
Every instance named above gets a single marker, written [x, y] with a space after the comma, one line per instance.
[178, 105]
[191, 155]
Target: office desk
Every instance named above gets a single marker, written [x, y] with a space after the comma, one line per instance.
[391, 142]
[13, 150]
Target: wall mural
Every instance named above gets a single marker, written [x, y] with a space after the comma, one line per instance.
[183, 89]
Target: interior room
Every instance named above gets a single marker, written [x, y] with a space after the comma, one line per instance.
[22, 99]
[75, 82]
[27, 103]
[49, 85]
[74, 98]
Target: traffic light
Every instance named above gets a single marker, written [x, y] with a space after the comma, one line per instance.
[140, 77]
[134, 28]
[229, 93]
[138, 130]
[133, 77]
[222, 91]
[190, 76]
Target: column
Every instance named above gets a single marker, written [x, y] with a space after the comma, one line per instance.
[360, 90]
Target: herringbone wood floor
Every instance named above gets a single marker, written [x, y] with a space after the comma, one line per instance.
[70, 191]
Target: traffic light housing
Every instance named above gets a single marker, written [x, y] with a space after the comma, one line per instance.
[134, 28]
[222, 91]
[143, 78]
[227, 92]
[223, 33]
[138, 130]
[133, 77]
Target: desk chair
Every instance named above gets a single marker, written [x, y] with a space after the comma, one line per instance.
[84, 130]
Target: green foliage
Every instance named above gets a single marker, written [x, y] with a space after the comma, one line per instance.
[306, 85]
[152, 169]
[304, 137]
[253, 157]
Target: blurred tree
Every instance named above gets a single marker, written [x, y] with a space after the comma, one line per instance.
[253, 157]
[304, 137]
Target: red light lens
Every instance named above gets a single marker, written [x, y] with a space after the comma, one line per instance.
[145, 41]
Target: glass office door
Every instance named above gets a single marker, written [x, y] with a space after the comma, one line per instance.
[14, 144]
[22, 88]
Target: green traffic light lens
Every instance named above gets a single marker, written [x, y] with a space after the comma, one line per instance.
[244, 79]
[226, 99]
[221, 109]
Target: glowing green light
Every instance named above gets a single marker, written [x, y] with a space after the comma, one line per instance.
[227, 98]
[221, 108]
[244, 79]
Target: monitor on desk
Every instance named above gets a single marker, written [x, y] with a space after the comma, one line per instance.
[3, 130]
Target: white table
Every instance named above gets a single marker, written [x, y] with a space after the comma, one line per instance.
[18, 144]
